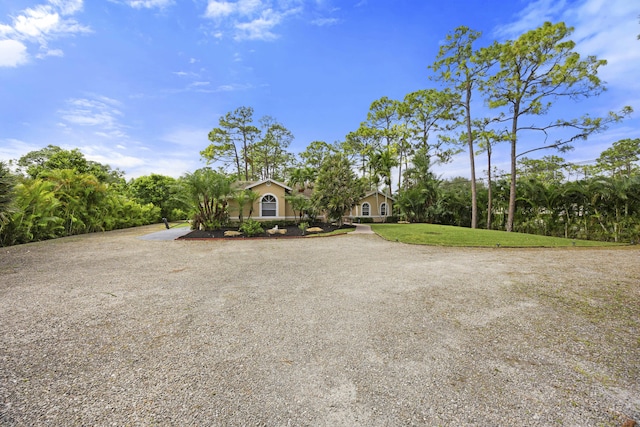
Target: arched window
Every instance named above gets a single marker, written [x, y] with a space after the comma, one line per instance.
[383, 209]
[366, 209]
[268, 206]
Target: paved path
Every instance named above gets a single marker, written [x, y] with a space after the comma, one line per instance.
[362, 229]
[167, 234]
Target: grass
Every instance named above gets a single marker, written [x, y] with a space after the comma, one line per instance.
[445, 235]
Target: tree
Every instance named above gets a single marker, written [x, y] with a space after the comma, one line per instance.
[302, 177]
[547, 170]
[382, 163]
[53, 157]
[462, 69]
[538, 67]
[487, 138]
[269, 157]
[620, 158]
[80, 196]
[232, 140]
[159, 190]
[315, 153]
[360, 145]
[209, 192]
[427, 111]
[420, 188]
[7, 193]
[337, 188]
[299, 204]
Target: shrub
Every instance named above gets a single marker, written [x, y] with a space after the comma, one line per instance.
[363, 220]
[303, 226]
[251, 227]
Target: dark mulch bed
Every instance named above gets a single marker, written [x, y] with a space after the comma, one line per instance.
[292, 231]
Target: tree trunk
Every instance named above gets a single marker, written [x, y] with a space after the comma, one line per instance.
[474, 193]
[489, 190]
[512, 188]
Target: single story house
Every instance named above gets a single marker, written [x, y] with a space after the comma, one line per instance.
[374, 205]
[271, 203]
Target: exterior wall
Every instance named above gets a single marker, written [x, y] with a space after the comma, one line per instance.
[283, 210]
[374, 207]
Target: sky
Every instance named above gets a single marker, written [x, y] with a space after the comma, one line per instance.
[138, 84]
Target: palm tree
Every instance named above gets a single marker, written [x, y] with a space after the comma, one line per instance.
[209, 192]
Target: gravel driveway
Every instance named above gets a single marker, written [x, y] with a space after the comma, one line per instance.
[110, 329]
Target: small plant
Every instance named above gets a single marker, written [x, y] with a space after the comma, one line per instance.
[251, 227]
[303, 227]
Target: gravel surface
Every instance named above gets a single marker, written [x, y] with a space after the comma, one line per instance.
[111, 329]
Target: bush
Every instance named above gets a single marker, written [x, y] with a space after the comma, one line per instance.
[363, 220]
[303, 227]
[251, 227]
[392, 218]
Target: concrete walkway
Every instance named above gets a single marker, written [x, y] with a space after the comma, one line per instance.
[362, 229]
[167, 234]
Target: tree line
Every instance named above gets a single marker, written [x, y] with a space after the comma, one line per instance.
[57, 192]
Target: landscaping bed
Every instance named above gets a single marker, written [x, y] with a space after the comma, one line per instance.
[291, 231]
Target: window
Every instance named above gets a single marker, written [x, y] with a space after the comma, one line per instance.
[268, 205]
[383, 209]
[366, 209]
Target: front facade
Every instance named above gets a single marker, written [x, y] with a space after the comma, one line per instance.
[271, 204]
[374, 205]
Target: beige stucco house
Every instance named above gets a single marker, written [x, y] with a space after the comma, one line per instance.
[271, 203]
[374, 205]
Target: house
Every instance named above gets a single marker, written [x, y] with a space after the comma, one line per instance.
[375, 205]
[271, 203]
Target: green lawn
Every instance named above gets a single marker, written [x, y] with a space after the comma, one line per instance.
[444, 235]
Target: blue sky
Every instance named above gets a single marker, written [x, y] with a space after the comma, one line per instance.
[138, 84]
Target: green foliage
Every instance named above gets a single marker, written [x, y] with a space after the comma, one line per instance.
[208, 193]
[251, 227]
[53, 157]
[363, 220]
[315, 153]
[161, 191]
[255, 153]
[7, 193]
[337, 188]
[538, 67]
[419, 194]
[303, 227]
[299, 204]
[620, 159]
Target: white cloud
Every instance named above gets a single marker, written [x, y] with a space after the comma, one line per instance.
[532, 16]
[98, 112]
[323, 22]
[250, 19]
[39, 24]
[149, 4]
[67, 7]
[218, 9]
[12, 53]
[50, 52]
[13, 149]
[193, 139]
[260, 28]
[605, 28]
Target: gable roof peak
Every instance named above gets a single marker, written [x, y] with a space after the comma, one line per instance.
[255, 184]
